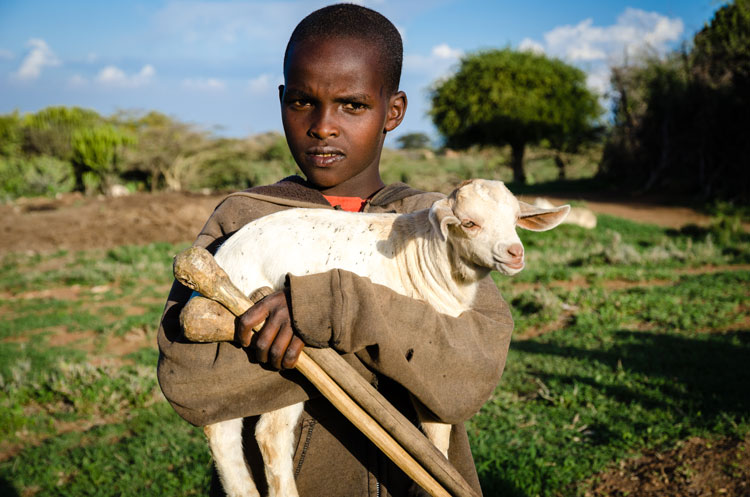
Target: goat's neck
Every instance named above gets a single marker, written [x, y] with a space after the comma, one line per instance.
[426, 267]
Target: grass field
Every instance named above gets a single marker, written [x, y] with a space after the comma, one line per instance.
[628, 337]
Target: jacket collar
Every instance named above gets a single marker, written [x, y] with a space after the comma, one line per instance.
[294, 191]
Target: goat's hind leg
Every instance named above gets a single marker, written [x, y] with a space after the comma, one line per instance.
[275, 435]
[225, 441]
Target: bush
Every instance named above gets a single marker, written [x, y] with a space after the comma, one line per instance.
[40, 175]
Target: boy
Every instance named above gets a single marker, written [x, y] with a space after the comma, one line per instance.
[341, 73]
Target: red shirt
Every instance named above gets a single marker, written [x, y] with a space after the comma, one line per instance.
[349, 204]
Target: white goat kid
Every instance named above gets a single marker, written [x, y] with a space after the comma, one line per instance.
[437, 255]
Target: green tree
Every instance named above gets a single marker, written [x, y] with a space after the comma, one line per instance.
[97, 154]
[165, 155]
[413, 141]
[50, 131]
[501, 97]
[11, 134]
[721, 50]
[681, 121]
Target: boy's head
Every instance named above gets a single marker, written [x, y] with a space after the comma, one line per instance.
[341, 71]
[345, 20]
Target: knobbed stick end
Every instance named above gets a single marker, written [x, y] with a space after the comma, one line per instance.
[204, 320]
[196, 268]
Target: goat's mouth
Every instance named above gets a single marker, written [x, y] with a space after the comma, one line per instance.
[509, 267]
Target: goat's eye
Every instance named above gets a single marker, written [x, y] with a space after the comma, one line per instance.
[467, 223]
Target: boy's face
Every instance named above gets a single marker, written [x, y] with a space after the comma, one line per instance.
[336, 109]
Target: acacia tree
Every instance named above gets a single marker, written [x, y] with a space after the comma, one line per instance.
[501, 97]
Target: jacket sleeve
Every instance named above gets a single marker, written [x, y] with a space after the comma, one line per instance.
[451, 365]
[210, 382]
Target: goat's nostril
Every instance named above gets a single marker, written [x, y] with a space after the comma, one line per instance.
[515, 250]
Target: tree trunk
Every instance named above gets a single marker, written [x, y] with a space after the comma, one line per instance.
[517, 151]
[560, 163]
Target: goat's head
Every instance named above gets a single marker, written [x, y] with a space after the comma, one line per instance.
[479, 222]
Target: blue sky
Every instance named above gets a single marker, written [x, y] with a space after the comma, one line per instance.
[217, 64]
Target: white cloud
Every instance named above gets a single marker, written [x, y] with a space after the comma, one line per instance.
[634, 31]
[443, 51]
[598, 47]
[6, 54]
[77, 81]
[204, 84]
[264, 83]
[598, 79]
[529, 45]
[441, 59]
[114, 76]
[40, 56]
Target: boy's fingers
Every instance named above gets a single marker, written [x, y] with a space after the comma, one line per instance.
[278, 348]
[248, 320]
[292, 353]
[275, 343]
[263, 339]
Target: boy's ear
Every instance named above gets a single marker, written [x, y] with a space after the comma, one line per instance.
[281, 93]
[396, 111]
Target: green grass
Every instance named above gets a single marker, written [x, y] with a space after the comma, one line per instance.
[152, 452]
[621, 249]
[621, 368]
[126, 267]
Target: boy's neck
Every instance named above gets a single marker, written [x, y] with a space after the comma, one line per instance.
[354, 187]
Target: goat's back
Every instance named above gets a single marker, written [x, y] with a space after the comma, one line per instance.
[309, 241]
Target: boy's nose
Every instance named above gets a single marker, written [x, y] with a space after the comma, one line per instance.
[323, 127]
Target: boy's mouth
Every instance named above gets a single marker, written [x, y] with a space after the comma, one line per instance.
[324, 156]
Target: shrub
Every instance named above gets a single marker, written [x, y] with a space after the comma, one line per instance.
[40, 175]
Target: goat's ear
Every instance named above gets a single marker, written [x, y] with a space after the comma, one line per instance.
[441, 215]
[538, 219]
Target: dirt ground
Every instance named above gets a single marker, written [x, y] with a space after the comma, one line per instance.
[696, 468]
[74, 222]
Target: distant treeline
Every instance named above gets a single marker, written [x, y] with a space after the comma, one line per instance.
[60, 149]
[682, 123]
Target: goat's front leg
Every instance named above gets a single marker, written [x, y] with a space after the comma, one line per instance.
[275, 435]
[437, 433]
[225, 441]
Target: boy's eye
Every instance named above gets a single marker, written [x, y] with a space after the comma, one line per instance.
[299, 103]
[354, 106]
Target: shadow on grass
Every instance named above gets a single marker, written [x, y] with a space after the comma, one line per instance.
[7, 489]
[496, 486]
[576, 186]
[704, 379]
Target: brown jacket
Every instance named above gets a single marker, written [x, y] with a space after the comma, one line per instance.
[400, 344]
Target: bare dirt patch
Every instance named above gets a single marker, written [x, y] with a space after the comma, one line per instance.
[74, 222]
[77, 223]
[697, 467]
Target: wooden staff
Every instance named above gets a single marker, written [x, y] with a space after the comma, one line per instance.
[197, 269]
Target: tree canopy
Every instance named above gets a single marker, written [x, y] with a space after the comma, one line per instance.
[681, 121]
[413, 140]
[506, 97]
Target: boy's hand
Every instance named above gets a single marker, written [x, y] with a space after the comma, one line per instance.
[275, 344]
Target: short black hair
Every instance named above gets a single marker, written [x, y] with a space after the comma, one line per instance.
[346, 20]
